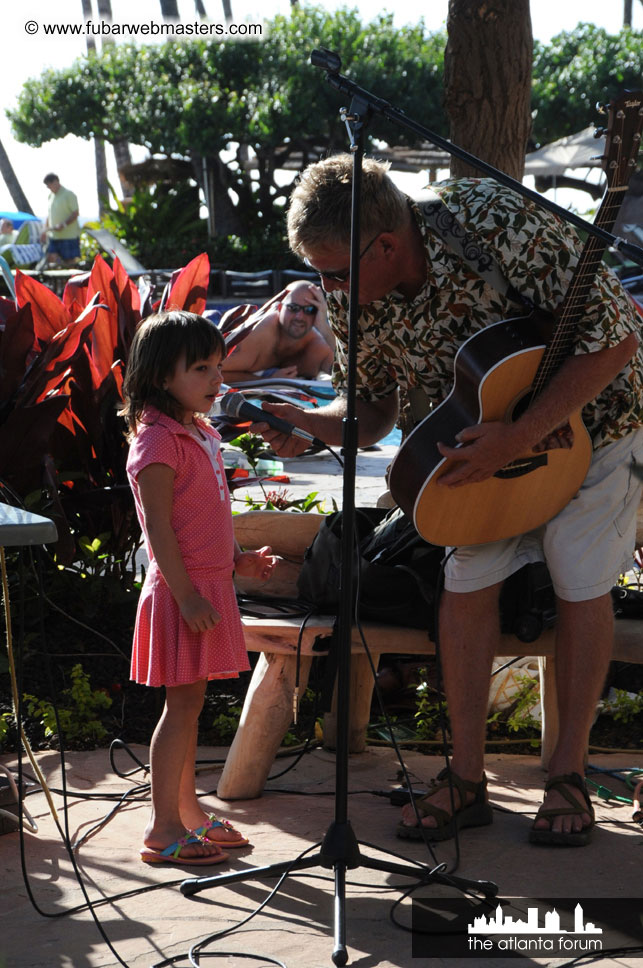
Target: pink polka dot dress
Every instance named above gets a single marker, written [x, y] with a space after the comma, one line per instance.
[165, 651]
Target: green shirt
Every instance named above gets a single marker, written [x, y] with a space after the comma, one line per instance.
[413, 343]
[62, 204]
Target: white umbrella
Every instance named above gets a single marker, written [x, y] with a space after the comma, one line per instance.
[582, 150]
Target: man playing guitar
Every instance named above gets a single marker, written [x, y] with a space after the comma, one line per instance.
[419, 302]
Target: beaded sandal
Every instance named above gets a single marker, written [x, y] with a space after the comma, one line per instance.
[172, 854]
[213, 822]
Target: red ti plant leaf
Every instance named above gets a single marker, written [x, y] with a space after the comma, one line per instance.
[118, 374]
[75, 294]
[25, 438]
[44, 376]
[188, 287]
[48, 313]
[104, 339]
[7, 309]
[129, 307]
[16, 344]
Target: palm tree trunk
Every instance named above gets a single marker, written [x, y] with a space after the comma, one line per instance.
[12, 183]
[102, 185]
[170, 10]
[121, 146]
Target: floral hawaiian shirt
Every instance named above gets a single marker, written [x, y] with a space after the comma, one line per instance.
[412, 343]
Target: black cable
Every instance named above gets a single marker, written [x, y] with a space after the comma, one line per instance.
[64, 834]
[196, 948]
[335, 455]
[425, 831]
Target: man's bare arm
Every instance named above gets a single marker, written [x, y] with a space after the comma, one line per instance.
[255, 352]
[376, 418]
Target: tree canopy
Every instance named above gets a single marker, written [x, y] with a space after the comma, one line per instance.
[577, 70]
[227, 102]
[201, 98]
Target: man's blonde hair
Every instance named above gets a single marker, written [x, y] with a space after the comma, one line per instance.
[320, 205]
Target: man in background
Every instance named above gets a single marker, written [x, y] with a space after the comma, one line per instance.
[62, 226]
[291, 339]
[7, 233]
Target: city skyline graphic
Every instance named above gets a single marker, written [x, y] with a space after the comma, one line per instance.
[499, 924]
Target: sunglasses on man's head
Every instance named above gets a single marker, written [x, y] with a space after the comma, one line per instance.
[296, 308]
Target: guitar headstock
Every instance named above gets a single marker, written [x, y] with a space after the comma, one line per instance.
[623, 137]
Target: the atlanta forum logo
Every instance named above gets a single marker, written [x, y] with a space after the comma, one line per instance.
[529, 936]
[514, 927]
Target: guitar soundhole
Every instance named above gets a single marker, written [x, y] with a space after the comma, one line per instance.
[518, 407]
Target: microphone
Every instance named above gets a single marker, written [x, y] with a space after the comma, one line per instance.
[236, 405]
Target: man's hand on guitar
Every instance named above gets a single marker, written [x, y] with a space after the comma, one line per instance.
[485, 448]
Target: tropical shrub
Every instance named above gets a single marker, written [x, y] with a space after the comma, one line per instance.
[62, 447]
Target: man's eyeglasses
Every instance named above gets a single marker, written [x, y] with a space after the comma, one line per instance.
[296, 308]
[341, 276]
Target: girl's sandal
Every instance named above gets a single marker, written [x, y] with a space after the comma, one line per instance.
[577, 807]
[173, 853]
[478, 813]
[211, 823]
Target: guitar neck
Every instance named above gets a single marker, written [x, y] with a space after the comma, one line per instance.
[623, 139]
[577, 295]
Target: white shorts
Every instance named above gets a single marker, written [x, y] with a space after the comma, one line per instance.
[586, 546]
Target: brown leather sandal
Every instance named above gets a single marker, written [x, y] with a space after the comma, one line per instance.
[578, 838]
[478, 813]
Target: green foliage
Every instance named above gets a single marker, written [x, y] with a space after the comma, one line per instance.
[576, 70]
[516, 718]
[278, 500]
[259, 247]
[205, 99]
[252, 445]
[430, 710]
[227, 102]
[623, 707]
[225, 724]
[6, 721]
[159, 225]
[78, 711]
[519, 715]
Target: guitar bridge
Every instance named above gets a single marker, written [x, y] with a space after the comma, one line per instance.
[521, 466]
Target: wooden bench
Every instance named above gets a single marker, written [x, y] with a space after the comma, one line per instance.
[268, 708]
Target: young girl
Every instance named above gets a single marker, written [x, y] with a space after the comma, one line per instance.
[188, 628]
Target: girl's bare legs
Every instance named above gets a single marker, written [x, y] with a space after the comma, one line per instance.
[192, 813]
[173, 740]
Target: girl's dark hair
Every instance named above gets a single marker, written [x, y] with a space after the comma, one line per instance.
[158, 343]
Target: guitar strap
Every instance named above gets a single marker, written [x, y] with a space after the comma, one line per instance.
[444, 223]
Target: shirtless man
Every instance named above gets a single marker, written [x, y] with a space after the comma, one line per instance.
[293, 339]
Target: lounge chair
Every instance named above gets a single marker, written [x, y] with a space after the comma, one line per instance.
[114, 247]
[27, 249]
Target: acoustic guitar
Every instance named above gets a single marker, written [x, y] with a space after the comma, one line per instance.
[498, 372]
